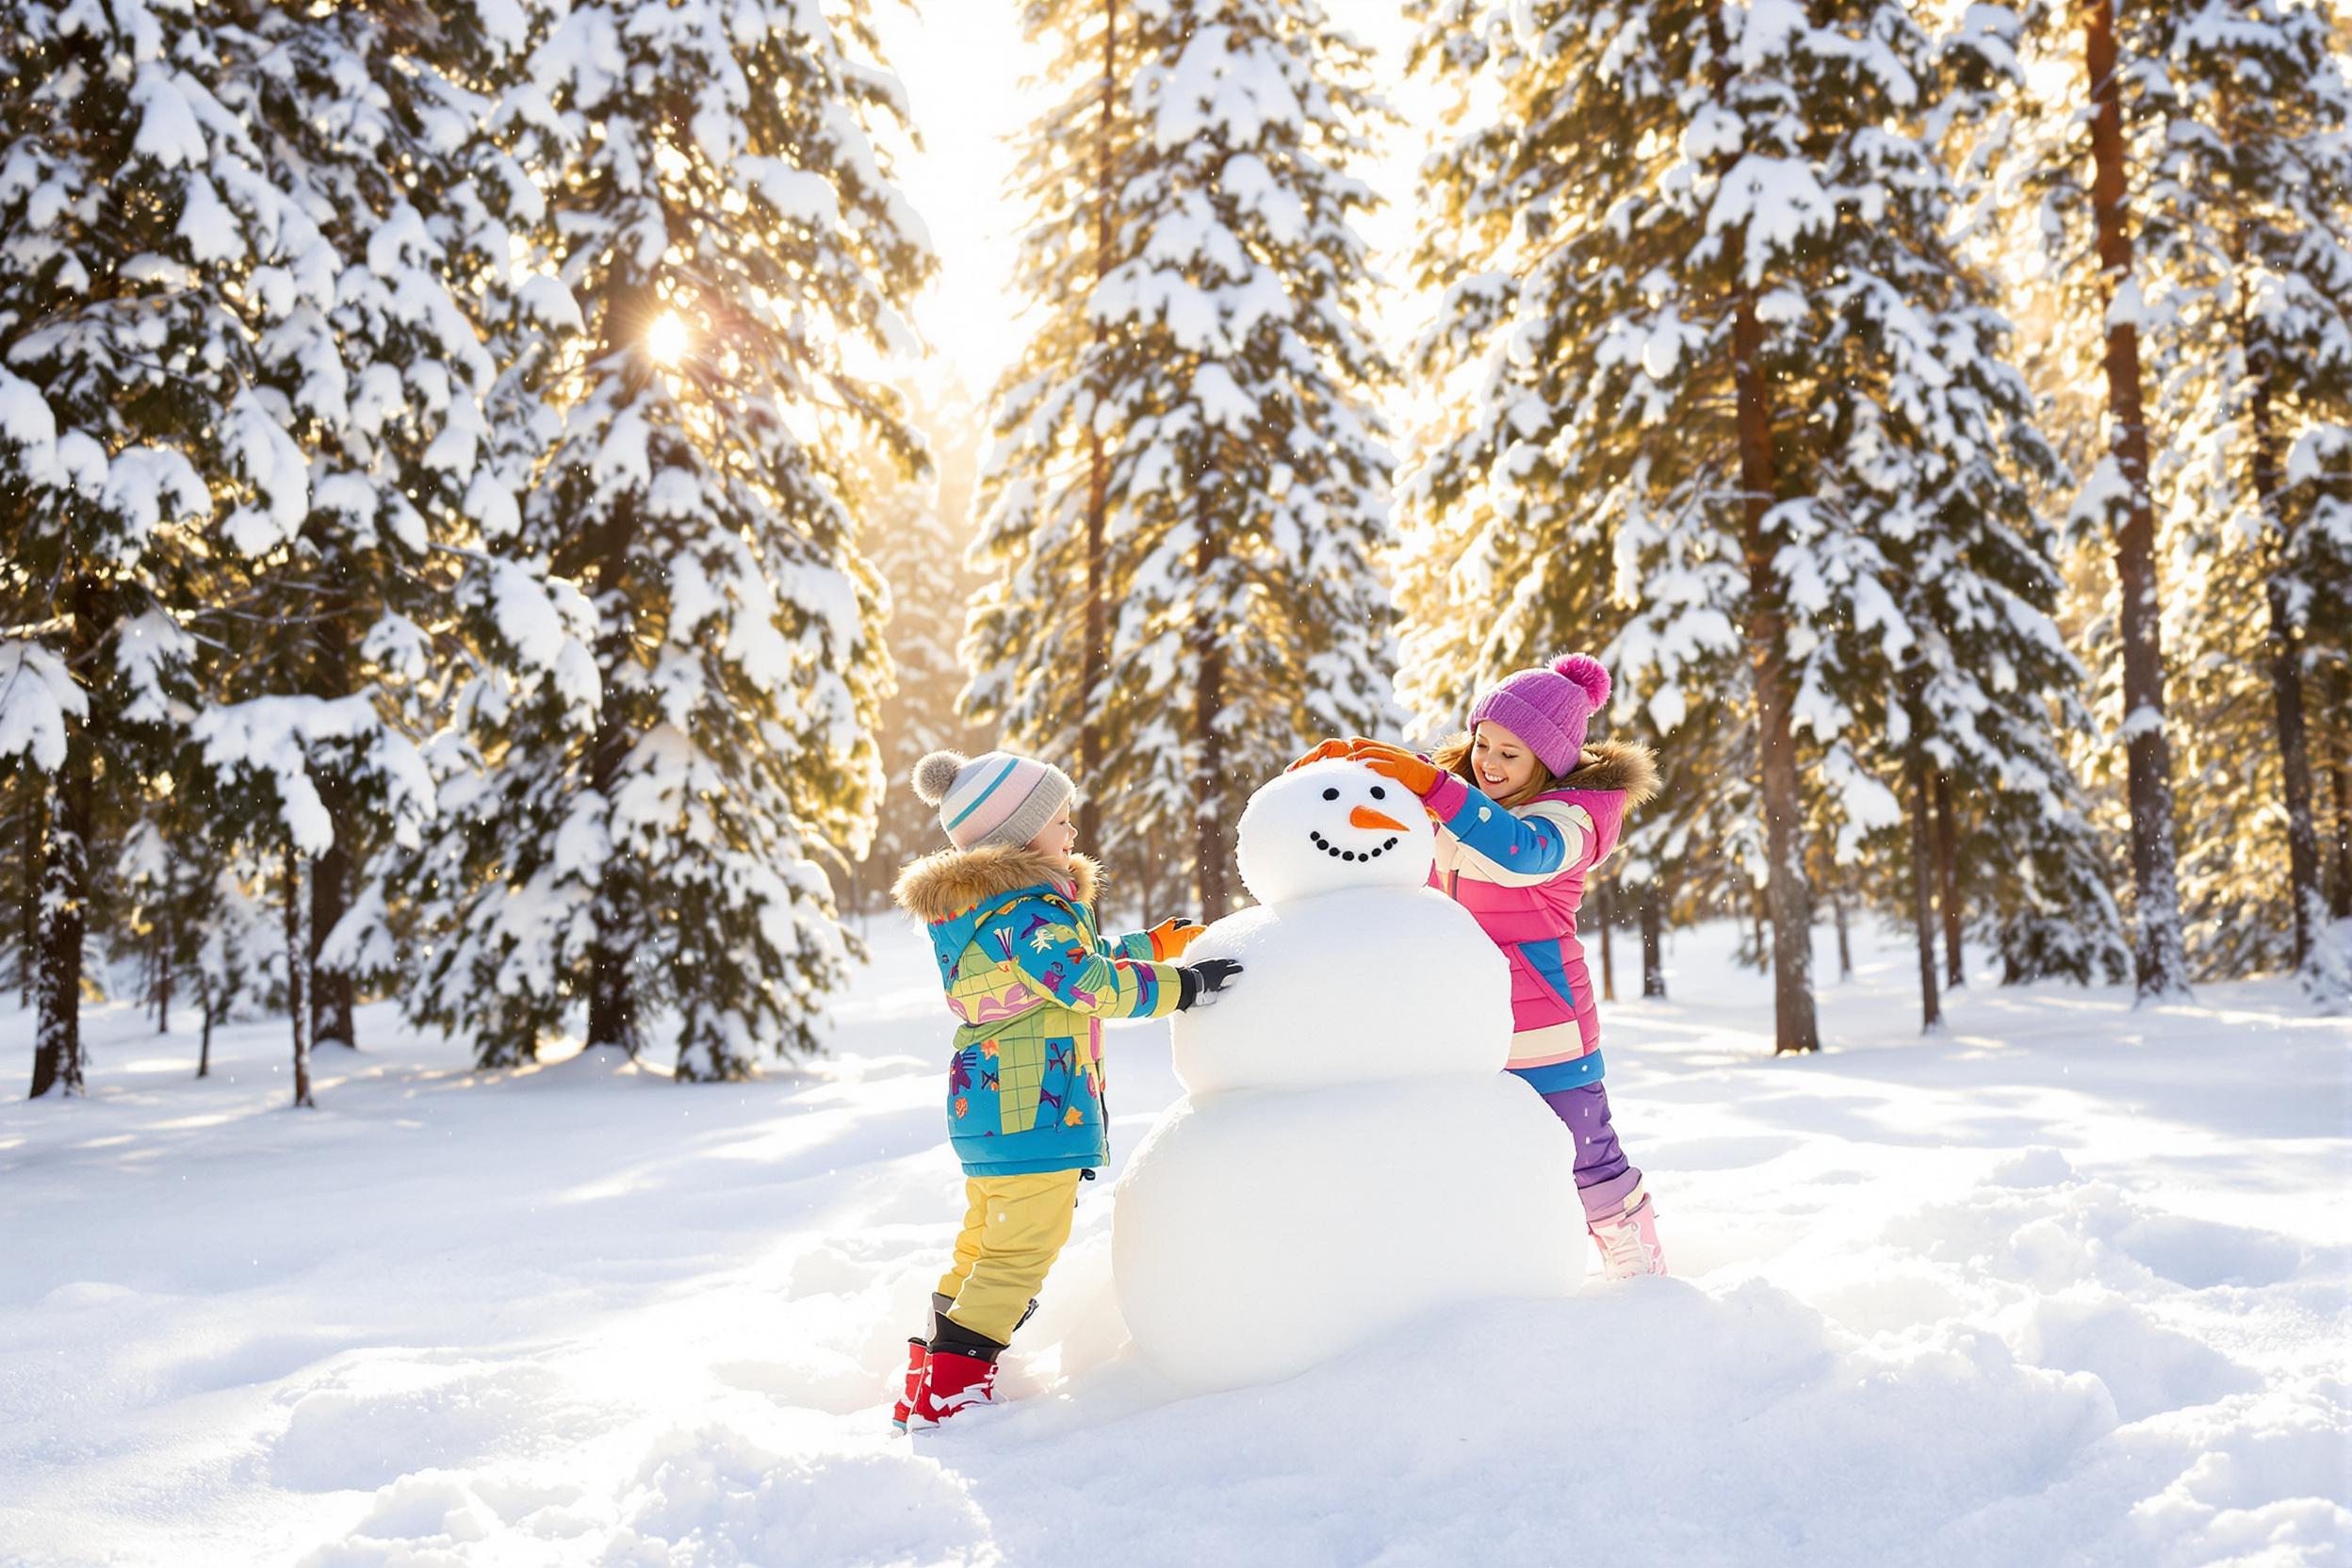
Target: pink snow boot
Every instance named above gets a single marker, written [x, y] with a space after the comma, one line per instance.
[1628, 1238]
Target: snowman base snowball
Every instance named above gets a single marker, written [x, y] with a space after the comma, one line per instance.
[1262, 1233]
[1350, 1153]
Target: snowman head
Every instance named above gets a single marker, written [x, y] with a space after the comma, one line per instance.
[1331, 826]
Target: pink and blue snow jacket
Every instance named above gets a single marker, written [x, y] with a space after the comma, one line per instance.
[1523, 874]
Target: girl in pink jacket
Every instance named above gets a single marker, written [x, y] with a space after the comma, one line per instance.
[1526, 812]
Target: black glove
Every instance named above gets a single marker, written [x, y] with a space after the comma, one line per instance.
[1204, 982]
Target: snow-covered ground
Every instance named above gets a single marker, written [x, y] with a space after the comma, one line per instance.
[2066, 1284]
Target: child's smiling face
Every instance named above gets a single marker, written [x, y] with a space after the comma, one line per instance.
[1056, 839]
[1499, 761]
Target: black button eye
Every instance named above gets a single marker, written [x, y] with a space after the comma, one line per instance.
[1331, 794]
[1378, 794]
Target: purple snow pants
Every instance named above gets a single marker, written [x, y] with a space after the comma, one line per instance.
[1604, 1176]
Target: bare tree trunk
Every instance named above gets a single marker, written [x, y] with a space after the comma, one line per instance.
[331, 994]
[1096, 653]
[1208, 792]
[1948, 882]
[1922, 895]
[296, 1007]
[1603, 905]
[332, 873]
[34, 792]
[204, 1001]
[2340, 774]
[1653, 942]
[64, 912]
[1794, 1027]
[1845, 940]
[165, 949]
[2162, 962]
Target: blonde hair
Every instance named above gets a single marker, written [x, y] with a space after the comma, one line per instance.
[1453, 755]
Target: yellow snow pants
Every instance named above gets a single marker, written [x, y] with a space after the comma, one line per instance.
[1014, 1228]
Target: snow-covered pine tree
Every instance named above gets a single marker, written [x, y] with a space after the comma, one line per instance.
[242, 248]
[1198, 400]
[260, 763]
[382, 375]
[1618, 232]
[720, 212]
[137, 219]
[1721, 357]
[2097, 131]
[2251, 340]
[1930, 579]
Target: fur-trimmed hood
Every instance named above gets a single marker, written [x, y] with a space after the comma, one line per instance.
[1625, 765]
[942, 886]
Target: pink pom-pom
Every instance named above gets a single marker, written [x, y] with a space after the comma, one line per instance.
[1587, 672]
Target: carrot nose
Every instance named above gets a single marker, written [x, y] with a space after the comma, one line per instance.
[1363, 816]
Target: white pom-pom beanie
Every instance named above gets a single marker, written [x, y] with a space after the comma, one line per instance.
[994, 798]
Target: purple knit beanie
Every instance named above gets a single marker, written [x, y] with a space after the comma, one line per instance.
[1548, 707]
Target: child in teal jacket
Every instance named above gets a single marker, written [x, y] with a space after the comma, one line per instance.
[1010, 911]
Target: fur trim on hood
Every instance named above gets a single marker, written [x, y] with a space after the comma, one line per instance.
[1616, 765]
[940, 887]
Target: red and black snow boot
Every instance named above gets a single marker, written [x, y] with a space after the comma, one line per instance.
[918, 1358]
[961, 1373]
[952, 1381]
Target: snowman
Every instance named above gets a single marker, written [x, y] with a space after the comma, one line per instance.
[1348, 1153]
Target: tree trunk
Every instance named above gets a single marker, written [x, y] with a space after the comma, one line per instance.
[1845, 940]
[1948, 881]
[1794, 1027]
[1208, 781]
[612, 992]
[1096, 653]
[2286, 683]
[1653, 944]
[331, 994]
[2340, 773]
[165, 950]
[1923, 891]
[330, 874]
[64, 911]
[203, 1048]
[297, 1009]
[34, 791]
[1602, 906]
[2163, 963]
[630, 307]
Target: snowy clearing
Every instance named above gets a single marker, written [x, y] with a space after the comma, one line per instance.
[2066, 1284]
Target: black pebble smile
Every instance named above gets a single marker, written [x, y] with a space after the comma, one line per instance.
[1338, 854]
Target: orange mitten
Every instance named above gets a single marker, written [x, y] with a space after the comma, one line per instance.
[1172, 936]
[1417, 774]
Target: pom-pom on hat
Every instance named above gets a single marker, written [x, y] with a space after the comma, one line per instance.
[994, 798]
[1547, 707]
